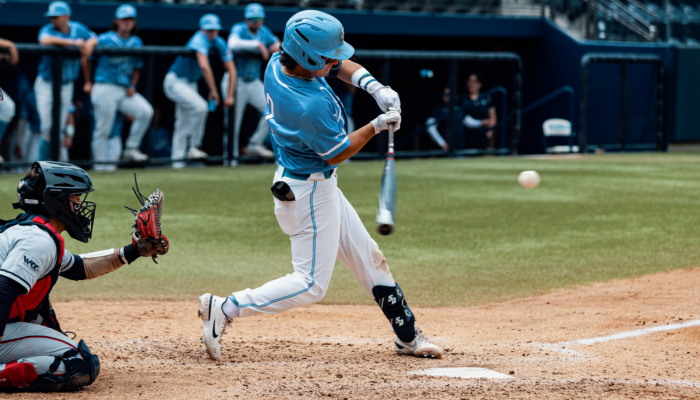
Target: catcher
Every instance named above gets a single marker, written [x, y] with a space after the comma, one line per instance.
[35, 355]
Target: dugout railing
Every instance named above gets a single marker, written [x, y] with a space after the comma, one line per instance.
[387, 67]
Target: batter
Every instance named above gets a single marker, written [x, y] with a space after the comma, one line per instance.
[309, 136]
[115, 90]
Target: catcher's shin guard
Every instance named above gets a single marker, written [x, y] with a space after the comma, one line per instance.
[82, 368]
[393, 304]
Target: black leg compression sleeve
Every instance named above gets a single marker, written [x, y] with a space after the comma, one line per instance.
[391, 301]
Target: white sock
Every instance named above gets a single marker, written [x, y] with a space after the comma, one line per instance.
[230, 309]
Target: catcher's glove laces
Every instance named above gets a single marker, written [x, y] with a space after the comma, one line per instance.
[148, 237]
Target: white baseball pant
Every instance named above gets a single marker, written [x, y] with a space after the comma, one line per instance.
[44, 103]
[190, 115]
[107, 99]
[323, 227]
[34, 344]
[252, 93]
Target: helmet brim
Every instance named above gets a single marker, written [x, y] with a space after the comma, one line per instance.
[343, 52]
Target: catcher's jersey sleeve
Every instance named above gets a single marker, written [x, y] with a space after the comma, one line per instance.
[27, 254]
[72, 267]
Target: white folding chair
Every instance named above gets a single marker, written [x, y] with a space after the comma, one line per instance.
[558, 127]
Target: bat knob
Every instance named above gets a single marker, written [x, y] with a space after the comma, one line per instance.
[385, 229]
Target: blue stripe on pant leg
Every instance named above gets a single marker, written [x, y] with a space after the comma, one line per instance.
[313, 262]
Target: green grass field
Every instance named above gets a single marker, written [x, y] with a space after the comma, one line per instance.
[466, 232]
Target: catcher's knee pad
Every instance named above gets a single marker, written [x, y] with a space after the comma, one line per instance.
[393, 304]
[82, 368]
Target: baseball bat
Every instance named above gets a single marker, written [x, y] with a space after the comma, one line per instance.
[387, 191]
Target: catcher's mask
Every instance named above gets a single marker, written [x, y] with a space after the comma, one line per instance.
[49, 193]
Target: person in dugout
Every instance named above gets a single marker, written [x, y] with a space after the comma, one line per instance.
[35, 354]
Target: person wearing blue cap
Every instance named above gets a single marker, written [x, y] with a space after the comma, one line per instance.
[66, 33]
[309, 134]
[115, 90]
[254, 37]
[180, 86]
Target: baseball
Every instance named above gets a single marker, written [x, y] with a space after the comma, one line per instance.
[529, 179]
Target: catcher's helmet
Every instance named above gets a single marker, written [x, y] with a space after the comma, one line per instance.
[47, 191]
[311, 35]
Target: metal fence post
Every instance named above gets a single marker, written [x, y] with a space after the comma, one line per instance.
[57, 80]
[623, 106]
[452, 138]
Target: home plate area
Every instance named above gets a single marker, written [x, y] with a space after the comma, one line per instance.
[635, 338]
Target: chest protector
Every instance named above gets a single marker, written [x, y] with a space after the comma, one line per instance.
[28, 307]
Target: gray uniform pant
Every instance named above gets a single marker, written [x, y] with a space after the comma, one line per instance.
[252, 93]
[35, 344]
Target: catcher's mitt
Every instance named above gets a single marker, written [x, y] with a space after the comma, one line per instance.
[147, 237]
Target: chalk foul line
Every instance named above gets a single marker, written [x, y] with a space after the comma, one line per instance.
[630, 334]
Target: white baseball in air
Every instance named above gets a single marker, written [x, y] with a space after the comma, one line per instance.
[529, 179]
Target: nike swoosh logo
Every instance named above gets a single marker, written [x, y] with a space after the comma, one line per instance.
[213, 330]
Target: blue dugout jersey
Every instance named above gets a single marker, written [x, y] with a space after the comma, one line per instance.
[307, 121]
[71, 66]
[117, 69]
[248, 68]
[188, 67]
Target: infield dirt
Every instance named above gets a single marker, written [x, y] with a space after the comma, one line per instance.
[153, 349]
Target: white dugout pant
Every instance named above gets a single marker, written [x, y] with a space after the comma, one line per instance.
[107, 99]
[44, 103]
[190, 113]
[323, 227]
[35, 344]
[252, 93]
[7, 108]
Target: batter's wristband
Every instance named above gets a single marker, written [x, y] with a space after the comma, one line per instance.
[128, 254]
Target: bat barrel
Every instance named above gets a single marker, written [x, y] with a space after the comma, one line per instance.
[387, 191]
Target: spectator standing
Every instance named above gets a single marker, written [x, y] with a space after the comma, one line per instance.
[66, 33]
[7, 105]
[180, 86]
[479, 115]
[254, 37]
[115, 90]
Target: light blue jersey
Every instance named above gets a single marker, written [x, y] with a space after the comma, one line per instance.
[117, 69]
[188, 67]
[248, 68]
[71, 66]
[307, 121]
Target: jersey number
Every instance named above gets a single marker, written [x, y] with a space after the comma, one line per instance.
[272, 107]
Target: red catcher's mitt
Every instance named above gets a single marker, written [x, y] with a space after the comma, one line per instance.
[148, 237]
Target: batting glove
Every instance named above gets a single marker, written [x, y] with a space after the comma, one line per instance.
[385, 96]
[390, 117]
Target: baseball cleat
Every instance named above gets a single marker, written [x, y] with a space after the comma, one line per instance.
[215, 323]
[421, 346]
[194, 153]
[134, 155]
[260, 150]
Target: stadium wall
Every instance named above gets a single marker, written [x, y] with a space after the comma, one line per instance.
[551, 58]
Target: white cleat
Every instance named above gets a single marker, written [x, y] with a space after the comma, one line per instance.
[421, 346]
[134, 155]
[194, 153]
[259, 150]
[215, 323]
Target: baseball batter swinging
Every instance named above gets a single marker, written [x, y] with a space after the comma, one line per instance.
[309, 136]
[35, 355]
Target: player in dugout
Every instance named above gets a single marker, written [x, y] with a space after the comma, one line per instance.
[310, 138]
[66, 33]
[251, 35]
[180, 86]
[35, 354]
[115, 90]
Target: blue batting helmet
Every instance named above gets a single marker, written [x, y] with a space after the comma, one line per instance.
[254, 10]
[311, 35]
